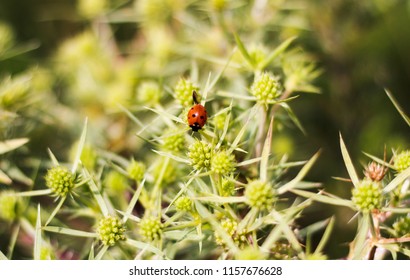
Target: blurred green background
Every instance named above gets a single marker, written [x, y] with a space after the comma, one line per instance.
[362, 47]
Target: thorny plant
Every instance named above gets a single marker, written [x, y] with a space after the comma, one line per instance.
[139, 184]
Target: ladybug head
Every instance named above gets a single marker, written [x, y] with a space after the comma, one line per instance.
[195, 126]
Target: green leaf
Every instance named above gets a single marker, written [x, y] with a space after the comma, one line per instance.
[133, 201]
[396, 210]
[302, 173]
[35, 193]
[171, 156]
[238, 138]
[361, 244]
[71, 232]
[263, 168]
[276, 52]
[4, 178]
[80, 147]
[166, 115]
[55, 211]
[244, 51]
[348, 163]
[226, 125]
[101, 252]
[291, 114]
[326, 235]
[2, 256]
[398, 107]
[400, 178]
[382, 162]
[37, 237]
[96, 193]
[145, 247]
[12, 144]
[53, 158]
[222, 199]
[325, 199]
[13, 240]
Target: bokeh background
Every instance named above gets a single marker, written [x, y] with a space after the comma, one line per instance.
[362, 48]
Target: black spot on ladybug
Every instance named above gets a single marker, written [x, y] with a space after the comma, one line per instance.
[202, 117]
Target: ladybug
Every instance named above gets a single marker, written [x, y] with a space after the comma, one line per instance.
[197, 115]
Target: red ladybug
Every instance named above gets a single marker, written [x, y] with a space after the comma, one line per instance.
[197, 115]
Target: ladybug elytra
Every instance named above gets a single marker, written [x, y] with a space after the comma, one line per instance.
[197, 115]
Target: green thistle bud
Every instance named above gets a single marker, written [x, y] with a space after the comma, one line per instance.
[149, 93]
[266, 88]
[116, 182]
[231, 228]
[150, 228]
[402, 161]
[136, 170]
[402, 227]
[200, 154]
[282, 250]
[368, 195]
[183, 92]
[227, 187]
[183, 204]
[174, 140]
[223, 162]
[11, 205]
[111, 230]
[60, 180]
[260, 195]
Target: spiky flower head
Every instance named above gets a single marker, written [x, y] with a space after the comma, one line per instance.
[402, 161]
[149, 93]
[223, 162]
[136, 170]
[231, 228]
[266, 88]
[110, 230]
[367, 195]
[11, 205]
[60, 180]
[174, 140]
[375, 172]
[260, 195]
[402, 227]
[150, 228]
[200, 154]
[282, 250]
[227, 187]
[184, 90]
[183, 204]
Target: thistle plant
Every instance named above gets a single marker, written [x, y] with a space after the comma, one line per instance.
[120, 173]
